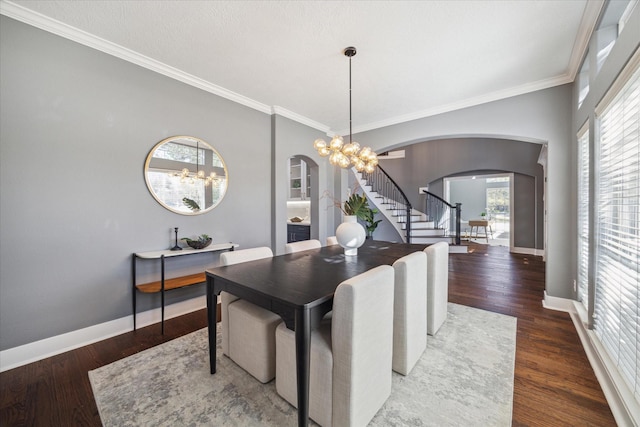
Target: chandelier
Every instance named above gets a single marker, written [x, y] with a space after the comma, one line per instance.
[187, 177]
[345, 155]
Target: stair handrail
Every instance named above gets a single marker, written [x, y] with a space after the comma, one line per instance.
[389, 193]
[457, 207]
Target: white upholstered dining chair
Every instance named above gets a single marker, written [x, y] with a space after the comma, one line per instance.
[332, 240]
[302, 245]
[351, 353]
[248, 331]
[437, 285]
[409, 311]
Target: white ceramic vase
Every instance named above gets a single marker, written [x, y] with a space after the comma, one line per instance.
[350, 235]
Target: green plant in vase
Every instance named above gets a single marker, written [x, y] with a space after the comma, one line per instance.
[356, 204]
[370, 221]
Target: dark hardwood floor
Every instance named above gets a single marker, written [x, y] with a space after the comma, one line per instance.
[554, 383]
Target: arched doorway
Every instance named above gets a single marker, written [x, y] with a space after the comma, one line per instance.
[302, 203]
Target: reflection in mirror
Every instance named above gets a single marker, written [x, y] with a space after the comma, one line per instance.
[186, 175]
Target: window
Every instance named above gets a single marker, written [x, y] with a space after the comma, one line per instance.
[583, 81]
[617, 216]
[583, 216]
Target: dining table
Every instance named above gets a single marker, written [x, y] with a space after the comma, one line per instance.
[299, 287]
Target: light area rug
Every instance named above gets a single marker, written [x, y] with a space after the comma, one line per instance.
[464, 378]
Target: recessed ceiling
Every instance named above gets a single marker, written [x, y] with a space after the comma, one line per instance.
[415, 58]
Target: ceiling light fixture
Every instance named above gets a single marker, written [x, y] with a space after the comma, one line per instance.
[345, 155]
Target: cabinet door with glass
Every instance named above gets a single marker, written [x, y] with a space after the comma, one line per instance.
[299, 182]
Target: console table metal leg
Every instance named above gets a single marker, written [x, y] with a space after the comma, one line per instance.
[134, 289]
[162, 294]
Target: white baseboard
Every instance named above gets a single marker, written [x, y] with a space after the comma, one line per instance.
[559, 304]
[621, 400]
[623, 405]
[527, 251]
[458, 249]
[38, 350]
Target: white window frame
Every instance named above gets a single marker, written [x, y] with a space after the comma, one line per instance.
[583, 218]
[616, 288]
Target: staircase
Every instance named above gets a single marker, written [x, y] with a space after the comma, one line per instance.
[421, 228]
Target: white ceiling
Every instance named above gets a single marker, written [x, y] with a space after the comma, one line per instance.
[415, 58]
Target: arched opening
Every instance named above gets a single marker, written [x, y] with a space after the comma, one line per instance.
[302, 201]
[428, 162]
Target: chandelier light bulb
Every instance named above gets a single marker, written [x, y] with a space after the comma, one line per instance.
[336, 143]
[324, 151]
[358, 163]
[319, 144]
[365, 153]
[333, 158]
[350, 149]
[369, 168]
[343, 161]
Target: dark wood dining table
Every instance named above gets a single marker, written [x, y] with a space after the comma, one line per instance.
[299, 287]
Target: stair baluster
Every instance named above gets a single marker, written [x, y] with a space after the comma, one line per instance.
[444, 214]
[384, 185]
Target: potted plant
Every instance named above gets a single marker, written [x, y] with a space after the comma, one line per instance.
[370, 221]
[357, 205]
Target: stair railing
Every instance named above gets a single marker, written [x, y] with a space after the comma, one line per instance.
[443, 214]
[383, 184]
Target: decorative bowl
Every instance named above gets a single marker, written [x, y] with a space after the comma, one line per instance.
[200, 243]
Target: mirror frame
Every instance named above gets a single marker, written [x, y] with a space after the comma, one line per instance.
[196, 141]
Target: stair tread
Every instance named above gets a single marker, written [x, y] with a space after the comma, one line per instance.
[421, 230]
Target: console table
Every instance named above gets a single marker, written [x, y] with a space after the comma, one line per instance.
[165, 284]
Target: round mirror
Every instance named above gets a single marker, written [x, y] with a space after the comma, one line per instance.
[186, 175]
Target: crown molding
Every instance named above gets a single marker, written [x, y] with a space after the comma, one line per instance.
[300, 119]
[471, 102]
[587, 26]
[61, 29]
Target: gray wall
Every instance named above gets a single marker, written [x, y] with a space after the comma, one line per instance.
[77, 125]
[538, 117]
[290, 139]
[472, 194]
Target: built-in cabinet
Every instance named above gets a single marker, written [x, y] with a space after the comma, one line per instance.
[296, 233]
[299, 179]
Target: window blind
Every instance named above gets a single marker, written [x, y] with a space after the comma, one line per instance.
[617, 275]
[583, 216]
